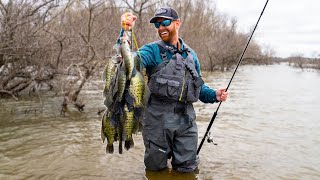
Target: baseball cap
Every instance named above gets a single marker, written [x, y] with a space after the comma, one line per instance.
[165, 12]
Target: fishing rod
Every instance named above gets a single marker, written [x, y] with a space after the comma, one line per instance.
[239, 62]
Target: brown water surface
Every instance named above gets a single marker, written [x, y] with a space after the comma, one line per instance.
[268, 129]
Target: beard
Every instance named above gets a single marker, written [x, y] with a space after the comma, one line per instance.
[169, 34]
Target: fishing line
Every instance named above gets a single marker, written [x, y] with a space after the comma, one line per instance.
[133, 37]
[234, 72]
[137, 46]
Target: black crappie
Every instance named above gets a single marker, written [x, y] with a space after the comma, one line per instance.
[121, 82]
[125, 91]
[129, 124]
[127, 55]
[108, 76]
[137, 89]
[109, 72]
[108, 131]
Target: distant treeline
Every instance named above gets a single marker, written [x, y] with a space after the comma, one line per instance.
[300, 62]
[63, 45]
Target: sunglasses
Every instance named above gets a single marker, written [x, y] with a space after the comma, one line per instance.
[164, 23]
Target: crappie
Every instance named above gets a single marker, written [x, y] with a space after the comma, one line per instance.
[109, 70]
[129, 124]
[108, 131]
[137, 90]
[121, 82]
[127, 56]
[108, 76]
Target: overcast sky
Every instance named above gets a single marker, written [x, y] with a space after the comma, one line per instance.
[289, 27]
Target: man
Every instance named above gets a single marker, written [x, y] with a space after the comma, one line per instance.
[173, 68]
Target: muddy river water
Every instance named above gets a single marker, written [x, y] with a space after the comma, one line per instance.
[268, 129]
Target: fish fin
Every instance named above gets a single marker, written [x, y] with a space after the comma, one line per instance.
[128, 144]
[103, 137]
[114, 86]
[108, 101]
[129, 100]
[138, 112]
[130, 107]
[116, 106]
[105, 91]
[121, 109]
[114, 119]
[146, 95]
[109, 149]
[140, 128]
[138, 125]
[134, 72]
[135, 128]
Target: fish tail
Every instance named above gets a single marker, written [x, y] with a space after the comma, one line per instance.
[134, 72]
[109, 149]
[137, 127]
[129, 99]
[140, 127]
[105, 91]
[138, 112]
[102, 135]
[128, 144]
[120, 147]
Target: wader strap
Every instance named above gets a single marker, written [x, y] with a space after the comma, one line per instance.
[179, 64]
[163, 48]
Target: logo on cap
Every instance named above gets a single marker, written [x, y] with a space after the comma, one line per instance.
[161, 11]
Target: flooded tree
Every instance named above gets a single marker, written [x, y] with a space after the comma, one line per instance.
[24, 48]
[63, 45]
[301, 62]
[297, 61]
[86, 31]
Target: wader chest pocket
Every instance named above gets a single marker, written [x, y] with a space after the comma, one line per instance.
[194, 87]
[173, 87]
[161, 81]
[165, 87]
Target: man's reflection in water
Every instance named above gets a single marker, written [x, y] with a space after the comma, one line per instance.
[171, 174]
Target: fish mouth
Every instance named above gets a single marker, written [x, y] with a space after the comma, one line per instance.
[117, 59]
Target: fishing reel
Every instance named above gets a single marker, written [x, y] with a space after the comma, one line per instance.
[210, 139]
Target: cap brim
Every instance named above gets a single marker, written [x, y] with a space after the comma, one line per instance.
[153, 20]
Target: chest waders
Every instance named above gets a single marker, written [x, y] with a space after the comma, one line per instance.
[169, 129]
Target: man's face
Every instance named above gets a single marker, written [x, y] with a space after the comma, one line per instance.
[167, 33]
